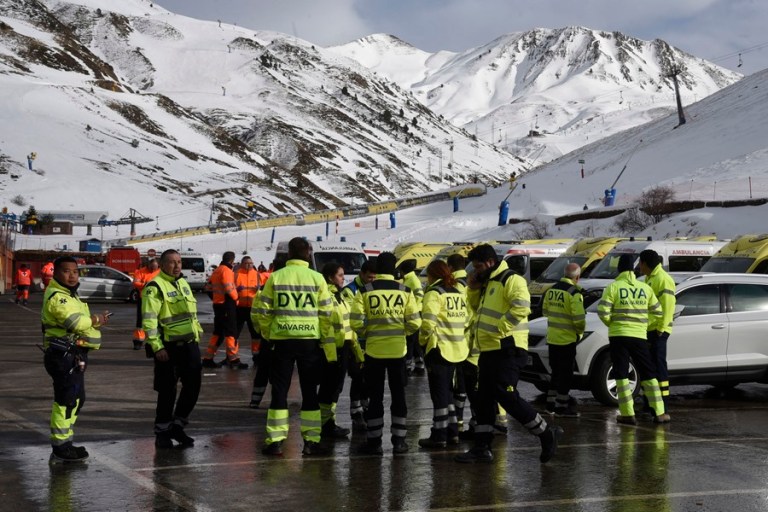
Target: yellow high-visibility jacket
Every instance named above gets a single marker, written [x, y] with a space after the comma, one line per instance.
[627, 305]
[564, 308]
[64, 315]
[663, 287]
[169, 312]
[443, 322]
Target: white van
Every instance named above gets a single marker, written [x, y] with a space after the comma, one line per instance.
[194, 269]
[348, 255]
[676, 256]
[530, 258]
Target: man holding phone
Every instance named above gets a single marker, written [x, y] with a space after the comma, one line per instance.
[501, 304]
[71, 331]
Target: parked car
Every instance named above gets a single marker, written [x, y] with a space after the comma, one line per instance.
[718, 338]
[98, 282]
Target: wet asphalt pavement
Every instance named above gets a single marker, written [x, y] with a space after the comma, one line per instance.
[712, 457]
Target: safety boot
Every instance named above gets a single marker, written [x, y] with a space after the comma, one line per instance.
[566, 412]
[81, 451]
[163, 440]
[210, 363]
[181, 437]
[664, 418]
[371, 447]
[275, 449]
[313, 448]
[399, 446]
[67, 454]
[236, 364]
[332, 431]
[479, 453]
[626, 420]
[431, 443]
[549, 443]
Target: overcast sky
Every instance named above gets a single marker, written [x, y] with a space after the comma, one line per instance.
[716, 30]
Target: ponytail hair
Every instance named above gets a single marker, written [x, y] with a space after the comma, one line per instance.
[439, 269]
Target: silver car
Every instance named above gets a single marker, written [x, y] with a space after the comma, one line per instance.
[718, 338]
[98, 282]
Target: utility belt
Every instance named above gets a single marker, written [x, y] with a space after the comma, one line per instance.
[150, 354]
[70, 350]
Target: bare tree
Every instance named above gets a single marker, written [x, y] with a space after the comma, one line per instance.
[655, 202]
[535, 230]
[633, 221]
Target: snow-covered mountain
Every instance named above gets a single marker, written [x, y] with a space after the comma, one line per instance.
[545, 92]
[125, 103]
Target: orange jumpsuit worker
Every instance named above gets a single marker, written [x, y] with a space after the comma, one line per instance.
[141, 277]
[247, 285]
[224, 292]
[46, 273]
[23, 282]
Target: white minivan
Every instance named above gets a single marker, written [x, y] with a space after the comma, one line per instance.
[349, 256]
[193, 269]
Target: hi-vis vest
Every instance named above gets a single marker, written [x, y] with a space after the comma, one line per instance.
[222, 284]
[664, 288]
[564, 308]
[169, 312]
[502, 307]
[384, 312]
[411, 280]
[64, 315]
[443, 320]
[295, 304]
[627, 305]
[246, 285]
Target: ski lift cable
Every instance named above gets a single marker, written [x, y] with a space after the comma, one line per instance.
[737, 53]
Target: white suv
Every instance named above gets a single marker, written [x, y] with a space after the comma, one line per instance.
[718, 338]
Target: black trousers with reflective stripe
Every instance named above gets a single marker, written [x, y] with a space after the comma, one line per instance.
[440, 376]
[183, 364]
[332, 379]
[68, 382]
[498, 374]
[376, 370]
[307, 356]
[466, 384]
[622, 348]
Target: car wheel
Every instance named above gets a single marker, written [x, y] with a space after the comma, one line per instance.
[603, 383]
[134, 296]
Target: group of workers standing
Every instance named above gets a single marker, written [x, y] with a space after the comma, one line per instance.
[472, 329]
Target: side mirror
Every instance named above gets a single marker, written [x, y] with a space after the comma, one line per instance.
[678, 310]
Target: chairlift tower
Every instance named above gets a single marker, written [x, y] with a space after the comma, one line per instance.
[676, 70]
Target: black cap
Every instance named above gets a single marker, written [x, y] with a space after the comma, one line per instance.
[626, 262]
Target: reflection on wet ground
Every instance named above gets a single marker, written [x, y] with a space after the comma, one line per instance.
[711, 457]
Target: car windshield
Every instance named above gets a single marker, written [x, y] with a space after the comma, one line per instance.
[721, 265]
[608, 267]
[351, 261]
[196, 264]
[555, 271]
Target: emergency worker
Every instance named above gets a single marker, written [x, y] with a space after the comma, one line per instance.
[169, 318]
[247, 286]
[563, 306]
[465, 383]
[141, 277]
[263, 361]
[443, 320]
[358, 398]
[414, 359]
[384, 312]
[23, 282]
[628, 307]
[294, 313]
[663, 287]
[501, 304]
[224, 296]
[334, 368]
[70, 332]
[46, 274]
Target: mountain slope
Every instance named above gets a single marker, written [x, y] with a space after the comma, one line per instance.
[567, 86]
[143, 106]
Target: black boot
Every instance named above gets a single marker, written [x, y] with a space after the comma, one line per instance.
[163, 440]
[67, 454]
[181, 437]
[549, 443]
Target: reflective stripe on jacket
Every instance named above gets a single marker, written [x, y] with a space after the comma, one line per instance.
[65, 315]
[247, 286]
[384, 312]
[443, 322]
[663, 287]
[169, 312]
[501, 307]
[627, 305]
[295, 304]
[564, 308]
[222, 284]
